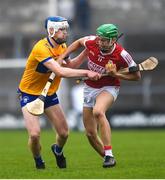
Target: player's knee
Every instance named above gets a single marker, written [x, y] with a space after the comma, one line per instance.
[91, 134]
[97, 113]
[34, 137]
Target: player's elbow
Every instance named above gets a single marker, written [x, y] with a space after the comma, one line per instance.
[56, 68]
[61, 72]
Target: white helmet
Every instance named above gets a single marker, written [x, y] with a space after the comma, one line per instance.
[56, 22]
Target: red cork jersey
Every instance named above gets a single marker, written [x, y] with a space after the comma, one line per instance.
[97, 61]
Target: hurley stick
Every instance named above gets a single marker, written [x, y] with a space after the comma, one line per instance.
[146, 65]
[36, 107]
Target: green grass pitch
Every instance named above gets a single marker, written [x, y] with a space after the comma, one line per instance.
[139, 154]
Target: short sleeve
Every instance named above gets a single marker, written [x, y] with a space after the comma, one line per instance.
[128, 58]
[42, 53]
[87, 39]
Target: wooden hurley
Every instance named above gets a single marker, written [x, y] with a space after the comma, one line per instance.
[36, 107]
[146, 65]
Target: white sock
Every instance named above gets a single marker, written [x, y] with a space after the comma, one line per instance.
[108, 153]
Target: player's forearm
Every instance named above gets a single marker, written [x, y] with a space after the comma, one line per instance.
[74, 63]
[64, 71]
[73, 47]
[68, 72]
[129, 77]
[77, 61]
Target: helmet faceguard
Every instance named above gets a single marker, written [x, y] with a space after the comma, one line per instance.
[56, 23]
[105, 44]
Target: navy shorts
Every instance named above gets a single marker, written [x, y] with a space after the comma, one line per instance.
[26, 98]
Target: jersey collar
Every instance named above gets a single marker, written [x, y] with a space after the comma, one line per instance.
[50, 42]
[114, 47]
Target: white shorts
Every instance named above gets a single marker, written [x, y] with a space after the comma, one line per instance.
[90, 94]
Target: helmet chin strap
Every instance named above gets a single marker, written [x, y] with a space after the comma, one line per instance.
[111, 45]
[58, 41]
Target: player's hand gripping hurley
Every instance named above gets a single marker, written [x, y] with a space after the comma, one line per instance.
[146, 65]
[36, 107]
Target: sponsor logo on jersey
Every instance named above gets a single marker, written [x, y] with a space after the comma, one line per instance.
[100, 58]
[95, 67]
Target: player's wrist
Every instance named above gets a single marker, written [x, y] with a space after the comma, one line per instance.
[87, 73]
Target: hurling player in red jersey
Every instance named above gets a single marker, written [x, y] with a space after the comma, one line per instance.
[100, 95]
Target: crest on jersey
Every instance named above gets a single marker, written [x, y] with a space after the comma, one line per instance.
[25, 99]
[110, 62]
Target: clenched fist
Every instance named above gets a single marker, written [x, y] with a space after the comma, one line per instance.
[111, 69]
[94, 75]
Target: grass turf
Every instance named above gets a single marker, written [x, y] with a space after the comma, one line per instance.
[139, 154]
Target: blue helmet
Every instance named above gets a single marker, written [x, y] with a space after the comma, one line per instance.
[56, 22]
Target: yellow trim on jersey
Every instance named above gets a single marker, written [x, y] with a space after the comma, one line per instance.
[36, 74]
